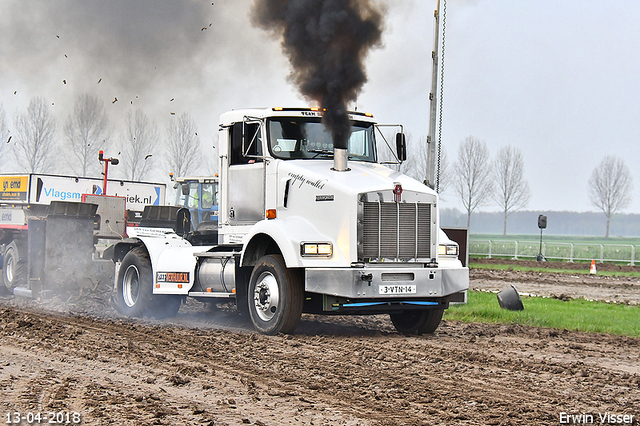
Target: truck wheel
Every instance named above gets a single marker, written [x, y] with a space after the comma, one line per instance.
[275, 296]
[14, 272]
[417, 322]
[135, 282]
[165, 305]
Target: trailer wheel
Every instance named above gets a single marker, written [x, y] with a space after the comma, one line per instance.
[135, 281]
[276, 296]
[14, 272]
[417, 322]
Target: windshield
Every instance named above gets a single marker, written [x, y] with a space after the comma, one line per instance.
[209, 196]
[306, 139]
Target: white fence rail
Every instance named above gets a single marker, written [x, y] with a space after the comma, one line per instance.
[554, 251]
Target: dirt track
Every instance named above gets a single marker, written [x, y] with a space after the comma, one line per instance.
[563, 286]
[208, 367]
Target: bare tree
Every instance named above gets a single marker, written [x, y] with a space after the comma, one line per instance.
[445, 178]
[183, 145]
[412, 166]
[211, 157]
[86, 130]
[610, 187]
[138, 142]
[4, 134]
[512, 192]
[35, 130]
[416, 165]
[473, 175]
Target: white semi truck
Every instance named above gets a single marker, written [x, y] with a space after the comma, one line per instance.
[302, 227]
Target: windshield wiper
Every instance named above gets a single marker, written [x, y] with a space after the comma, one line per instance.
[320, 152]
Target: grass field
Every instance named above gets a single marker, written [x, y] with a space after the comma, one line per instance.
[567, 248]
[577, 314]
[558, 238]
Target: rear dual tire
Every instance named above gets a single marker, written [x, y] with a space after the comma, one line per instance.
[14, 272]
[417, 322]
[134, 291]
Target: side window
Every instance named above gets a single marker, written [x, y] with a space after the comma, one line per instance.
[193, 200]
[207, 196]
[252, 144]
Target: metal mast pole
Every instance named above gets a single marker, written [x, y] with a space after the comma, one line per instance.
[431, 138]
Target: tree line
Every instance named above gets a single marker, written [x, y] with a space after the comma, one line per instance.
[478, 180]
[34, 141]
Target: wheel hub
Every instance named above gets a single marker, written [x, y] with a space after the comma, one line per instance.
[9, 271]
[266, 296]
[131, 286]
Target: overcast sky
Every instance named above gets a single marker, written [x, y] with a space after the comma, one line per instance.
[557, 79]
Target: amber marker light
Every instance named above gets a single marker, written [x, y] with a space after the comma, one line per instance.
[316, 249]
[271, 214]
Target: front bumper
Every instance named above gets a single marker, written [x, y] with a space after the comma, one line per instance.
[366, 282]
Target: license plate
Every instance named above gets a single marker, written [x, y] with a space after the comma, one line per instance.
[397, 289]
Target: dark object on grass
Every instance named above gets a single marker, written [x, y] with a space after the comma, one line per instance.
[510, 299]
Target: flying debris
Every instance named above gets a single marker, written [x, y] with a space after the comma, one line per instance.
[9, 140]
[64, 81]
[99, 81]
[171, 100]
[114, 100]
[57, 36]
[15, 92]
[65, 55]
[148, 155]
[203, 28]
[173, 113]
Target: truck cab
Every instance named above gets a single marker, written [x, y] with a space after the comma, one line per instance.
[305, 226]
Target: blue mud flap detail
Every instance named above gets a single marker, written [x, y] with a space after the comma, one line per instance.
[362, 304]
[421, 303]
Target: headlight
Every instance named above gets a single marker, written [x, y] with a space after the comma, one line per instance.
[448, 250]
[316, 249]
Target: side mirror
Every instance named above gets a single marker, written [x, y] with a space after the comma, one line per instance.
[185, 189]
[401, 146]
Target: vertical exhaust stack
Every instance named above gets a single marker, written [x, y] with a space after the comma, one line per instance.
[326, 42]
[340, 160]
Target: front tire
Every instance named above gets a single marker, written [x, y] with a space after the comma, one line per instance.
[417, 322]
[275, 296]
[14, 272]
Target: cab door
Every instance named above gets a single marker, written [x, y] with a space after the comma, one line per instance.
[246, 173]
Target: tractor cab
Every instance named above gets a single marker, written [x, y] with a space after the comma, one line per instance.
[200, 196]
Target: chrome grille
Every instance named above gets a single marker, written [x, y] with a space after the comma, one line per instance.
[395, 231]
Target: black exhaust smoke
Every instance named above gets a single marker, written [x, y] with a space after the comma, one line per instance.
[327, 42]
